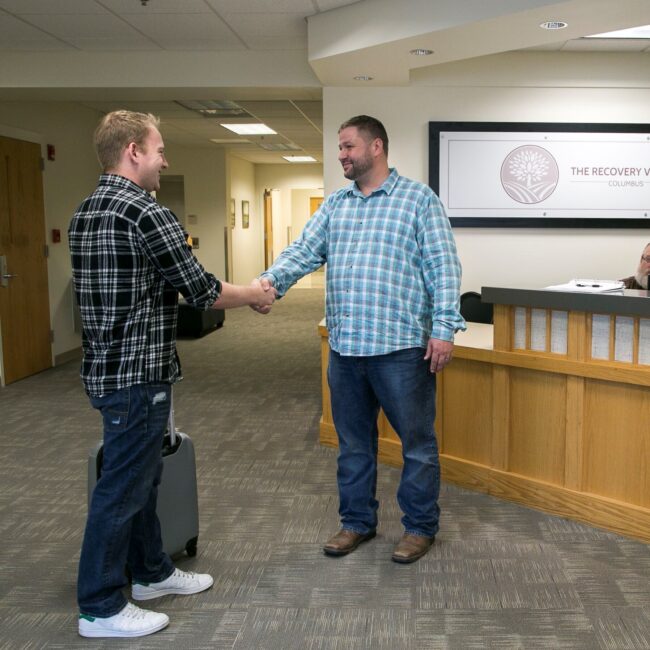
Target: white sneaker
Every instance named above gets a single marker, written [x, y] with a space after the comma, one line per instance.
[130, 621]
[179, 582]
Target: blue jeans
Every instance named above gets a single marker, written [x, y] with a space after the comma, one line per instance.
[401, 384]
[122, 527]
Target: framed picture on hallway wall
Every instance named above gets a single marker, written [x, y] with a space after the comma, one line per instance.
[232, 212]
[543, 174]
[244, 214]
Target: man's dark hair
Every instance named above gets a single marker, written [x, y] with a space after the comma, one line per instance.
[369, 125]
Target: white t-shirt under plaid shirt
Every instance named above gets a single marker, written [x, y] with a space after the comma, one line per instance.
[393, 274]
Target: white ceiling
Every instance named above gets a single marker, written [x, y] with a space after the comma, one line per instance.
[346, 37]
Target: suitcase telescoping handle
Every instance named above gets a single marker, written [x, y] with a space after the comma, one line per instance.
[172, 424]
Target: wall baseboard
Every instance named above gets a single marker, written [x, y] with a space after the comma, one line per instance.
[71, 355]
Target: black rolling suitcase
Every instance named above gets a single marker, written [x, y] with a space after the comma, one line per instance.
[178, 507]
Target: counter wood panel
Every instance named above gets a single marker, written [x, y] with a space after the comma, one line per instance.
[563, 433]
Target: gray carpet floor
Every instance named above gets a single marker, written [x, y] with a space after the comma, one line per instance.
[499, 575]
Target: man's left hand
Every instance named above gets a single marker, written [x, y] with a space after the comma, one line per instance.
[438, 354]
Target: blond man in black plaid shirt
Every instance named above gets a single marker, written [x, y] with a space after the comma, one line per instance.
[130, 260]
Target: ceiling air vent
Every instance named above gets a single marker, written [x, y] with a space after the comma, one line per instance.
[279, 146]
[214, 108]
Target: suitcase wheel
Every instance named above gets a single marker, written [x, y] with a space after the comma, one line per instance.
[190, 547]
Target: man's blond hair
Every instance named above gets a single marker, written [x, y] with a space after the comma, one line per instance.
[117, 130]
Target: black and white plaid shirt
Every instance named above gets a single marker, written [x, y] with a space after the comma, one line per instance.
[130, 259]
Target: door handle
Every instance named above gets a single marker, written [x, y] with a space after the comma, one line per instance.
[4, 276]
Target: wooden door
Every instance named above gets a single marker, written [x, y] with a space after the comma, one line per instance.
[24, 297]
[314, 203]
[268, 229]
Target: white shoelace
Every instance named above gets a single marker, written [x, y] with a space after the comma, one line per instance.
[131, 611]
[184, 574]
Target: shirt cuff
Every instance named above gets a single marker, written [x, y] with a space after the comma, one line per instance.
[442, 332]
[274, 282]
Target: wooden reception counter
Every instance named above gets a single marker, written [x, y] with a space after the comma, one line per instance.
[550, 407]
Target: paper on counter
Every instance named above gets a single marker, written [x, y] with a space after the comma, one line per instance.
[588, 285]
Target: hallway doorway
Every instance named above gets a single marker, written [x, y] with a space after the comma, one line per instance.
[24, 297]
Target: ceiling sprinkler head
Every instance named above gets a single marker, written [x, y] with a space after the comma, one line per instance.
[144, 2]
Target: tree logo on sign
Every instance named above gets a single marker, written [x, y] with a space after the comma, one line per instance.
[529, 174]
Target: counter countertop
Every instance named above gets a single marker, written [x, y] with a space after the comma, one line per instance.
[630, 302]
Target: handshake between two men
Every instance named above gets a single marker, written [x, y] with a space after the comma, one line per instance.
[265, 295]
[259, 295]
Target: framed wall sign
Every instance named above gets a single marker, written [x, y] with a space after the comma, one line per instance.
[232, 213]
[245, 215]
[559, 175]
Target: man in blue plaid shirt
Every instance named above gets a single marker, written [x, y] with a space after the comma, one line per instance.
[130, 260]
[393, 281]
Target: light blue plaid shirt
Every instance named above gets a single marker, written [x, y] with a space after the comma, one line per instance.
[393, 275]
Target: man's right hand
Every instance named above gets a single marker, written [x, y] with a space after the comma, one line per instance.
[263, 296]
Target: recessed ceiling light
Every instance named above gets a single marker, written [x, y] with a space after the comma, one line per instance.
[363, 77]
[300, 159]
[554, 24]
[249, 129]
[633, 32]
[421, 51]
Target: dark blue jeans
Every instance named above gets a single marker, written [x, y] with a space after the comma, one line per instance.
[122, 527]
[401, 384]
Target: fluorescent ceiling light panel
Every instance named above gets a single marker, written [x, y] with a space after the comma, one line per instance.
[229, 140]
[249, 129]
[300, 159]
[633, 32]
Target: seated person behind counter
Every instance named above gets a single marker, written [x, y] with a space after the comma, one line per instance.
[640, 279]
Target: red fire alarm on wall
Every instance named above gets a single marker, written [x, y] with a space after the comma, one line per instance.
[51, 152]
[56, 236]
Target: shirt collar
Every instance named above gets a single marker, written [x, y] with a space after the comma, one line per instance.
[122, 182]
[386, 187]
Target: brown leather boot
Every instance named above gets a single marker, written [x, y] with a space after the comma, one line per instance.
[345, 541]
[411, 548]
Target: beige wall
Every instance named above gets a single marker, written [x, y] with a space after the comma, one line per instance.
[247, 243]
[536, 87]
[285, 179]
[204, 177]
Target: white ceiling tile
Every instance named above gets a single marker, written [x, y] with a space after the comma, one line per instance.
[156, 7]
[326, 5]
[199, 27]
[24, 7]
[303, 7]
[313, 110]
[13, 29]
[85, 25]
[130, 43]
[271, 108]
[262, 24]
[258, 43]
[188, 44]
[43, 44]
